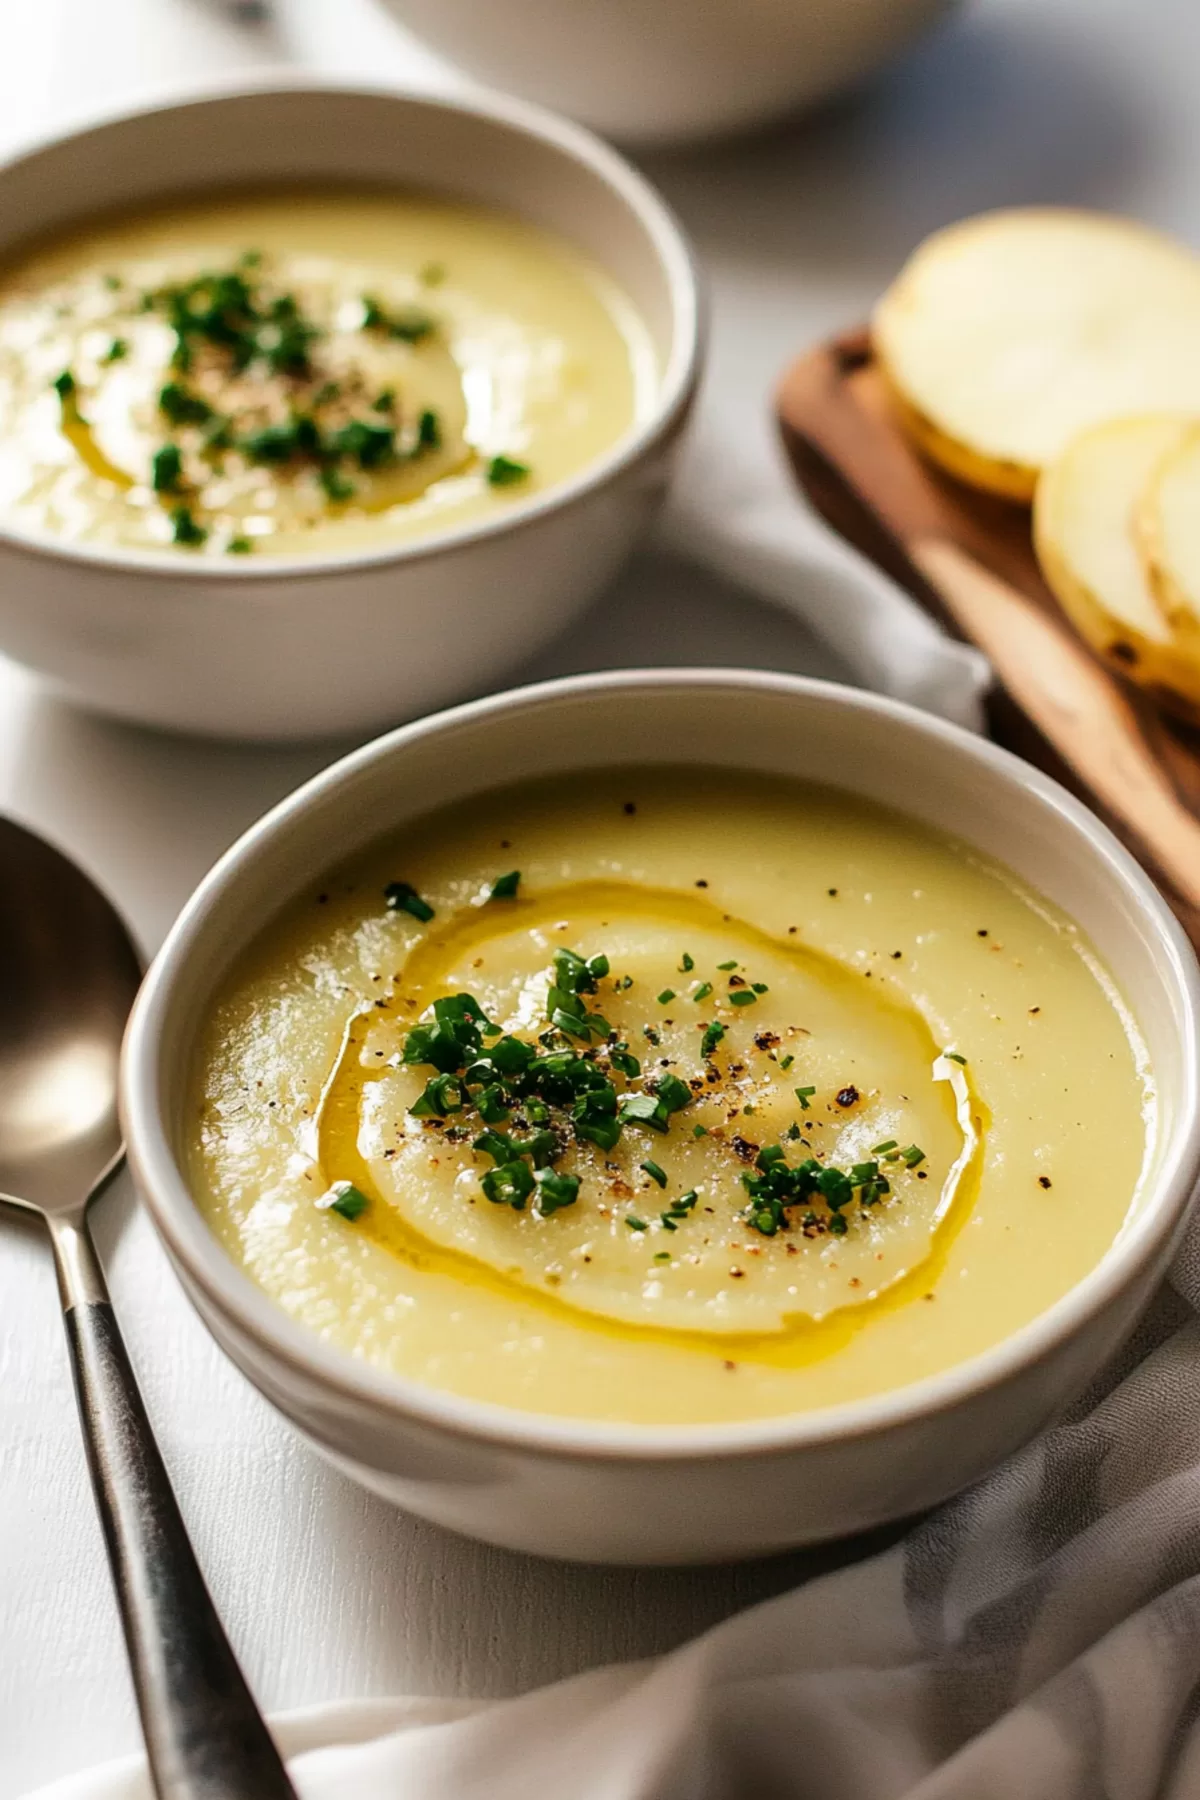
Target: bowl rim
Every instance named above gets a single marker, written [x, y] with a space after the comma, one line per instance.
[679, 376]
[254, 1314]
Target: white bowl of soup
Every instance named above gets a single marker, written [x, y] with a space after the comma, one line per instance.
[662, 1116]
[669, 71]
[320, 406]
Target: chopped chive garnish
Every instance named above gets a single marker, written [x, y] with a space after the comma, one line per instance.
[662, 1256]
[64, 386]
[509, 1184]
[804, 1095]
[732, 964]
[743, 997]
[337, 487]
[429, 431]
[401, 896]
[166, 469]
[699, 1131]
[239, 546]
[882, 1149]
[182, 407]
[118, 348]
[911, 1155]
[711, 1038]
[625, 1062]
[703, 991]
[667, 995]
[655, 1172]
[344, 1198]
[505, 471]
[785, 1062]
[759, 987]
[636, 1224]
[955, 1057]
[505, 886]
[185, 529]
[555, 1191]
[686, 964]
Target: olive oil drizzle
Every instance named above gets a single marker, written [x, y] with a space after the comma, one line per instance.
[335, 1142]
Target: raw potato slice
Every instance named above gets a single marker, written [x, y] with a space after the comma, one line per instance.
[1169, 533]
[1084, 521]
[1005, 336]
[874, 1076]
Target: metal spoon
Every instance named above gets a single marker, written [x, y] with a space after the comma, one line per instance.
[68, 975]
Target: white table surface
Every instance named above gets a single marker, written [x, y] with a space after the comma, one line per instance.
[326, 1591]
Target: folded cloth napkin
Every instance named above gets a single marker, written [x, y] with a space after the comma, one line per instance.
[1038, 1637]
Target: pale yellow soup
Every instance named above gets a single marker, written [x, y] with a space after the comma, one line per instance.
[410, 307]
[912, 1018]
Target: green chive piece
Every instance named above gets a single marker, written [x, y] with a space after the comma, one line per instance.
[759, 987]
[699, 1131]
[881, 1149]
[804, 1095]
[785, 1062]
[505, 886]
[337, 487]
[686, 964]
[429, 431]
[732, 964]
[182, 407]
[555, 1191]
[239, 546]
[955, 1057]
[711, 1038]
[667, 995]
[636, 1224]
[506, 471]
[118, 348]
[401, 896]
[509, 1184]
[166, 469]
[185, 529]
[655, 1172]
[911, 1155]
[344, 1198]
[662, 1256]
[65, 386]
[703, 991]
[743, 997]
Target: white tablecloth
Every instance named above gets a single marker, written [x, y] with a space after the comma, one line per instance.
[326, 1591]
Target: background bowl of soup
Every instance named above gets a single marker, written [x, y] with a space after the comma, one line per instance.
[322, 405]
[942, 885]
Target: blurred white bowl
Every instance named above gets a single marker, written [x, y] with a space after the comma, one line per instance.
[343, 642]
[658, 71]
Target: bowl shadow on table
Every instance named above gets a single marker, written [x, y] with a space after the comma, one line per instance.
[994, 109]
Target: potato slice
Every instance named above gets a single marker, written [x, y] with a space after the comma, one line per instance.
[1084, 533]
[1168, 529]
[1005, 336]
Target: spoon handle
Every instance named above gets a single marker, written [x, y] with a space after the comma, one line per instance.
[205, 1737]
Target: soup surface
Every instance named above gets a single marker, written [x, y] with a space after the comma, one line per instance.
[305, 372]
[669, 1097]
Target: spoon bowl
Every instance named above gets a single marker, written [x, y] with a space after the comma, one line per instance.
[68, 976]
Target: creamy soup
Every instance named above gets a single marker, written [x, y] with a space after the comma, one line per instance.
[669, 1097]
[305, 373]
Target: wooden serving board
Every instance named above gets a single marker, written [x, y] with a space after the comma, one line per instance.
[968, 558]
